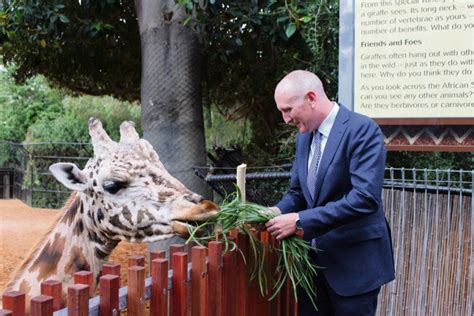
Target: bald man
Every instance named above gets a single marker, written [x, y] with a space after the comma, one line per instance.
[334, 198]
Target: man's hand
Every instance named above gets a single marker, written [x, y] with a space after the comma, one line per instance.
[282, 226]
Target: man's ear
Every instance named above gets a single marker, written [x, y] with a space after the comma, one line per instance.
[311, 96]
[69, 175]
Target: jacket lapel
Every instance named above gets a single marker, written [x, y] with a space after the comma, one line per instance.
[334, 139]
[305, 144]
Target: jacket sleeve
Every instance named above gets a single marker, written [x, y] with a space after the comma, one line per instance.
[293, 200]
[366, 170]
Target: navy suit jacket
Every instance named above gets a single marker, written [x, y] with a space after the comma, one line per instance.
[346, 217]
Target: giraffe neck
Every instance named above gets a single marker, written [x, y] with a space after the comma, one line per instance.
[74, 243]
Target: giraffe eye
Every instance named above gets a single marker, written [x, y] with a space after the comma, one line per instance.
[113, 186]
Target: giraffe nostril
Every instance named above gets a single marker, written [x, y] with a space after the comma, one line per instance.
[194, 198]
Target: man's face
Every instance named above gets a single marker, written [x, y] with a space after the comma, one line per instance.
[296, 111]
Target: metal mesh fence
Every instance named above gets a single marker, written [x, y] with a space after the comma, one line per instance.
[28, 165]
[267, 185]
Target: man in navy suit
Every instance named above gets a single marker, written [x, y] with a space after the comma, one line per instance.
[335, 198]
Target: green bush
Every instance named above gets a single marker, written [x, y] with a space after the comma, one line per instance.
[22, 105]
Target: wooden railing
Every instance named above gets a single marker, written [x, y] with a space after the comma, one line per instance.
[204, 281]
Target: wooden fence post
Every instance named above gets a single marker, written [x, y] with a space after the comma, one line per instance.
[136, 291]
[109, 295]
[229, 273]
[111, 268]
[276, 304]
[216, 285]
[289, 303]
[78, 300]
[87, 278]
[199, 282]
[159, 287]
[263, 303]
[14, 301]
[179, 281]
[41, 305]
[242, 272]
[53, 288]
[254, 296]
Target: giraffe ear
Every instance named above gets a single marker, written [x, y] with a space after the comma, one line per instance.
[69, 175]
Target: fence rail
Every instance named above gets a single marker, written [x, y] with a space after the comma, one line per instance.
[213, 282]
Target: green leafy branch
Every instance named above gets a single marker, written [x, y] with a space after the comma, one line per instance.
[294, 262]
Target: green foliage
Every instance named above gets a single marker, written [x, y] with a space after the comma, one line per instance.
[222, 131]
[250, 46]
[22, 105]
[320, 29]
[93, 47]
[86, 46]
[73, 126]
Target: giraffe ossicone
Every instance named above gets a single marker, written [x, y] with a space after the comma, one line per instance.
[123, 193]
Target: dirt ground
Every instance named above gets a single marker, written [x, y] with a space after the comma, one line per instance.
[22, 227]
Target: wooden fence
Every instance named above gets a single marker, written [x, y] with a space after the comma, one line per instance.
[432, 234]
[204, 281]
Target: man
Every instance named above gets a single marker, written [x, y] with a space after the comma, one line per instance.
[335, 198]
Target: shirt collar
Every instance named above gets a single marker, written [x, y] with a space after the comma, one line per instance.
[328, 122]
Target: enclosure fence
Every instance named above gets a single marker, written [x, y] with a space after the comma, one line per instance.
[429, 212]
[431, 220]
[24, 170]
[200, 282]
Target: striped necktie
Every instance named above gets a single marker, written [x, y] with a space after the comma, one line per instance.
[313, 167]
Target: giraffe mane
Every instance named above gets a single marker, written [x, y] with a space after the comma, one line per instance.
[33, 252]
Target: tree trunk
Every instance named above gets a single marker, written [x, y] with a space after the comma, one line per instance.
[172, 119]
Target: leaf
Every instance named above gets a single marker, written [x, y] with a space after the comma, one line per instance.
[42, 43]
[64, 18]
[282, 18]
[305, 19]
[186, 21]
[290, 30]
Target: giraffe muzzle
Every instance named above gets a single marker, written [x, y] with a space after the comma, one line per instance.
[187, 221]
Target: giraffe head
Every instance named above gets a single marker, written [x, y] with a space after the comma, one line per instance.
[128, 193]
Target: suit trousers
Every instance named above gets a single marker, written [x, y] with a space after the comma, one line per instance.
[330, 303]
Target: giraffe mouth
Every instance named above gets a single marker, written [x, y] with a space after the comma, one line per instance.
[184, 228]
[194, 217]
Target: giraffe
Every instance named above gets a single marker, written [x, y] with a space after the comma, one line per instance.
[123, 193]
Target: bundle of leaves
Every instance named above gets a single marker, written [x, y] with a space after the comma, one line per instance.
[294, 262]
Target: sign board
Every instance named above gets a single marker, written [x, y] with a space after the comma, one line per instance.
[408, 62]
[414, 58]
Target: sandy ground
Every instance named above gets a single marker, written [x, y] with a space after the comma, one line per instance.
[22, 227]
